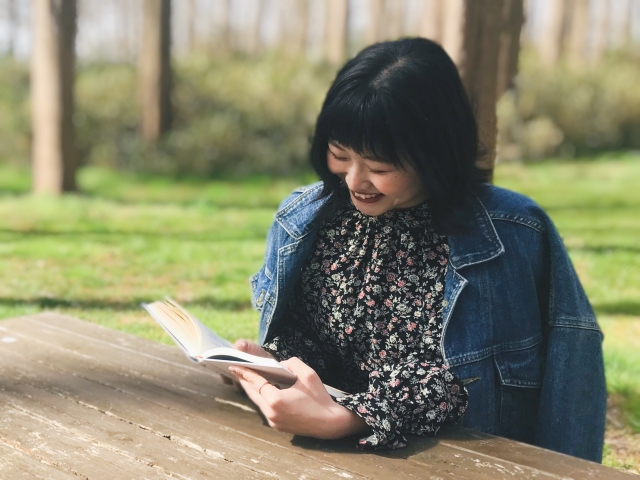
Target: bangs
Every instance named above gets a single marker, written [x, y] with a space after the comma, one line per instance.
[359, 121]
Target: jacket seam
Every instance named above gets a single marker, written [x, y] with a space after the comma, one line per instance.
[594, 328]
[291, 205]
[530, 223]
[496, 243]
[496, 349]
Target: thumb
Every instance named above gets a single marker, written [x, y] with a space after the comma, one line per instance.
[251, 348]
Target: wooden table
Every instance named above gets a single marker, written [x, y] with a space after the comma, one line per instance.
[81, 401]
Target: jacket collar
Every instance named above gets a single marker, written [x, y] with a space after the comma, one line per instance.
[301, 215]
[479, 244]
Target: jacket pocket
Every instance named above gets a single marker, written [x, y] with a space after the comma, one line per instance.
[520, 375]
[522, 367]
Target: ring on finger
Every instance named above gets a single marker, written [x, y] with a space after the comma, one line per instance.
[263, 385]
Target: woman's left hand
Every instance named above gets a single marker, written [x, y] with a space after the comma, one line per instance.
[305, 408]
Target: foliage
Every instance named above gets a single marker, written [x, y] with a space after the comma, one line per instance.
[570, 110]
[237, 116]
[232, 117]
[15, 129]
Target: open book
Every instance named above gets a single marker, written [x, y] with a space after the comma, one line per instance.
[202, 345]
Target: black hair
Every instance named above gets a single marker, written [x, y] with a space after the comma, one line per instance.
[403, 103]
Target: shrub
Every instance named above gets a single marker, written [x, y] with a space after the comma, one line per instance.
[15, 128]
[567, 110]
[232, 117]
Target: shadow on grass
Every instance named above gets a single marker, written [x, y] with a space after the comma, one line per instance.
[618, 308]
[606, 249]
[208, 236]
[594, 207]
[45, 303]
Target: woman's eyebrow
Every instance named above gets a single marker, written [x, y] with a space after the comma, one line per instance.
[333, 143]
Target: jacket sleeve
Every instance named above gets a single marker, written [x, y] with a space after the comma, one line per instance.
[571, 415]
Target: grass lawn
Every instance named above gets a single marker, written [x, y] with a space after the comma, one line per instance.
[133, 239]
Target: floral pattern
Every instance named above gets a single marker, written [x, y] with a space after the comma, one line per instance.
[367, 316]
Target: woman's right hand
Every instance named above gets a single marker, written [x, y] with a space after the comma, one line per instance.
[249, 347]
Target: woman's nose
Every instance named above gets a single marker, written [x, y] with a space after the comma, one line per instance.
[355, 178]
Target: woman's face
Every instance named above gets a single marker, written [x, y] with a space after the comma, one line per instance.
[375, 187]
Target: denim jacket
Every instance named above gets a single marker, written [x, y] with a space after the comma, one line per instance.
[517, 326]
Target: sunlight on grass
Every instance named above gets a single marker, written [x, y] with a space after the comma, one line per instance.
[131, 238]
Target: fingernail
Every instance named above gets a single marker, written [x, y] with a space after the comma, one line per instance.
[234, 371]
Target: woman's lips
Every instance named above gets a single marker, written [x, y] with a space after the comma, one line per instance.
[366, 197]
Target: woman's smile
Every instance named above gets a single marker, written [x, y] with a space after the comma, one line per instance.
[367, 197]
[376, 187]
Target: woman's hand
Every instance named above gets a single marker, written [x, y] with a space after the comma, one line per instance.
[303, 409]
[246, 346]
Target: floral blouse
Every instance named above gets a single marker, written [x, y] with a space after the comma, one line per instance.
[367, 317]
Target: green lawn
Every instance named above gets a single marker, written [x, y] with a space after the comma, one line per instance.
[131, 239]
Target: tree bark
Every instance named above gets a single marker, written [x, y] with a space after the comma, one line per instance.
[453, 29]
[12, 24]
[513, 20]
[478, 65]
[552, 40]
[254, 44]
[224, 35]
[393, 19]
[336, 29]
[600, 35]
[54, 154]
[626, 27]
[373, 28]
[578, 32]
[191, 26]
[432, 22]
[296, 26]
[154, 70]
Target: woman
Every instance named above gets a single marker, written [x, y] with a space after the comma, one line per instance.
[406, 281]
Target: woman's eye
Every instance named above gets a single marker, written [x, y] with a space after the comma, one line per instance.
[342, 159]
[377, 172]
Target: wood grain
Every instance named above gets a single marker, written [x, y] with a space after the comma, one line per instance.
[81, 401]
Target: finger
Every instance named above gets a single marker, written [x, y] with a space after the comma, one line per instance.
[252, 348]
[252, 380]
[307, 377]
[250, 388]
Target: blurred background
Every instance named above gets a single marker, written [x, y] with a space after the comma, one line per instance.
[145, 145]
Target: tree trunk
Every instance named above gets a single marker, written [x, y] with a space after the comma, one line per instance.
[625, 36]
[335, 32]
[154, 69]
[453, 29]
[578, 32]
[12, 24]
[254, 44]
[373, 32]
[52, 85]
[191, 26]
[432, 22]
[224, 35]
[393, 19]
[513, 20]
[552, 40]
[296, 27]
[600, 35]
[478, 65]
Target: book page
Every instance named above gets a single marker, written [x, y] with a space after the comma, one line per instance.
[187, 330]
[177, 323]
[209, 338]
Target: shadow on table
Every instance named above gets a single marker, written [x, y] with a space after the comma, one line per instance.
[415, 444]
